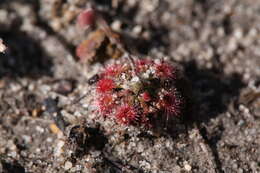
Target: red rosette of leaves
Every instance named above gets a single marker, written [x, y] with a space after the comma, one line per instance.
[138, 96]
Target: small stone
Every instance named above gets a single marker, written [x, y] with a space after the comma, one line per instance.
[38, 150]
[187, 167]
[238, 33]
[58, 149]
[241, 123]
[116, 25]
[2, 46]
[49, 140]
[54, 128]
[12, 154]
[35, 112]
[137, 29]
[56, 24]
[67, 165]
[39, 129]
[27, 139]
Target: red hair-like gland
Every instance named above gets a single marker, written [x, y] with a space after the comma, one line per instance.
[165, 70]
[105, 85]
[105, 104]
[141, 64]
[126, 114]
[171, 103]
[146, 96]
[113, 70]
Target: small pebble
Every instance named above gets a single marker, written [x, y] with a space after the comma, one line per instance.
[38, 150]
[54, 128]
[116, 25]
[39, 129]
[2, 46]
[58, 149]
[67, 165]
[137, 29]
[187, 167]
[26, 138]
[12, 154]
[49, 140]
[35, 112]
